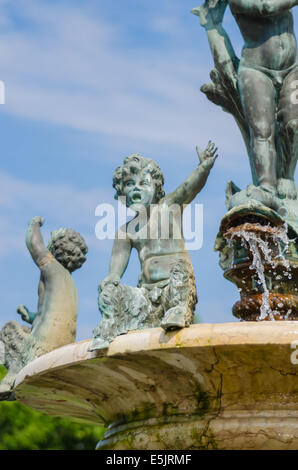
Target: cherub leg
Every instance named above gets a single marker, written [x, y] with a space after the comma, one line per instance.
[288, 119]
[123, 309]
[258, 99]
[180, 297]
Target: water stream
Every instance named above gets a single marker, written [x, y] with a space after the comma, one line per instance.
[267, 245]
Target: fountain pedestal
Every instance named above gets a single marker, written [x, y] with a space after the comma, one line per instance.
[259, 253]
[221, 386]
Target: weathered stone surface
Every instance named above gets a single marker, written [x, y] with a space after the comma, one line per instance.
[221, 386]
[12, 338]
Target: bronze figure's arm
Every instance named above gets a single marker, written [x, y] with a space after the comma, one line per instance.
[26, 315]
[223, 90]
[211, 15]
[188, 190]
[119, 259]
[34, 240]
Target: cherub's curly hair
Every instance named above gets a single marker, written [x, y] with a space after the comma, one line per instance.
[134, 164]
[68, 247]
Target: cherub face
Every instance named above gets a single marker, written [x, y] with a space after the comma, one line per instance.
[139, 189]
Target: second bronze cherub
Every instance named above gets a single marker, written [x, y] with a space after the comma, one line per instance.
[166, 293]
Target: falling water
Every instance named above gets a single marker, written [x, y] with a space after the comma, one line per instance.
[262, 253]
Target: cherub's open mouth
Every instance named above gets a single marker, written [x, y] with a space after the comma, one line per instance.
[136, 197]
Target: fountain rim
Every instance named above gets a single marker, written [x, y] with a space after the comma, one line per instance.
[252, 227]
[196, 336]
[251, 209]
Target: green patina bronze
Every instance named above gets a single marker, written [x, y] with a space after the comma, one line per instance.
[54, 324]
[166, 292]
[259, 91]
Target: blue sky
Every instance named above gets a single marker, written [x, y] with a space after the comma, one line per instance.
[88, 83]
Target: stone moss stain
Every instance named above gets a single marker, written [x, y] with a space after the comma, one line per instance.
[203, 403]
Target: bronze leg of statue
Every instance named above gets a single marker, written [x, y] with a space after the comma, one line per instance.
[288, 119]
[258, 97]
[181, 297]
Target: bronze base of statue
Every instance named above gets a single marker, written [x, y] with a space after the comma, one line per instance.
[249, 307]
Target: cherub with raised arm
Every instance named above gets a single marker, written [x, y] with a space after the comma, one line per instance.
[54, 324]
[166, 293]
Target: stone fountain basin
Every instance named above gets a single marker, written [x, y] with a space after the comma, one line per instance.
[219, 386]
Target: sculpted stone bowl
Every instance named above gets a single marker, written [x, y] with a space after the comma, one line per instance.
[221, 386]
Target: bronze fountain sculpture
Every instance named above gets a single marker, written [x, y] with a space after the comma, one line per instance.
[257, 240]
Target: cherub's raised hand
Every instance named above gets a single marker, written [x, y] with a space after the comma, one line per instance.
[37, 220]
[211, 13]
[209, 155]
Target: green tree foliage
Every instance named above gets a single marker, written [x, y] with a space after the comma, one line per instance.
[22, 428]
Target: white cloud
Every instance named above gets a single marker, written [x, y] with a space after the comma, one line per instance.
[90, 81]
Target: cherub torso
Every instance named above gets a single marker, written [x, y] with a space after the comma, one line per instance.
[269, 40]
[55, 322]
[159, 242]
